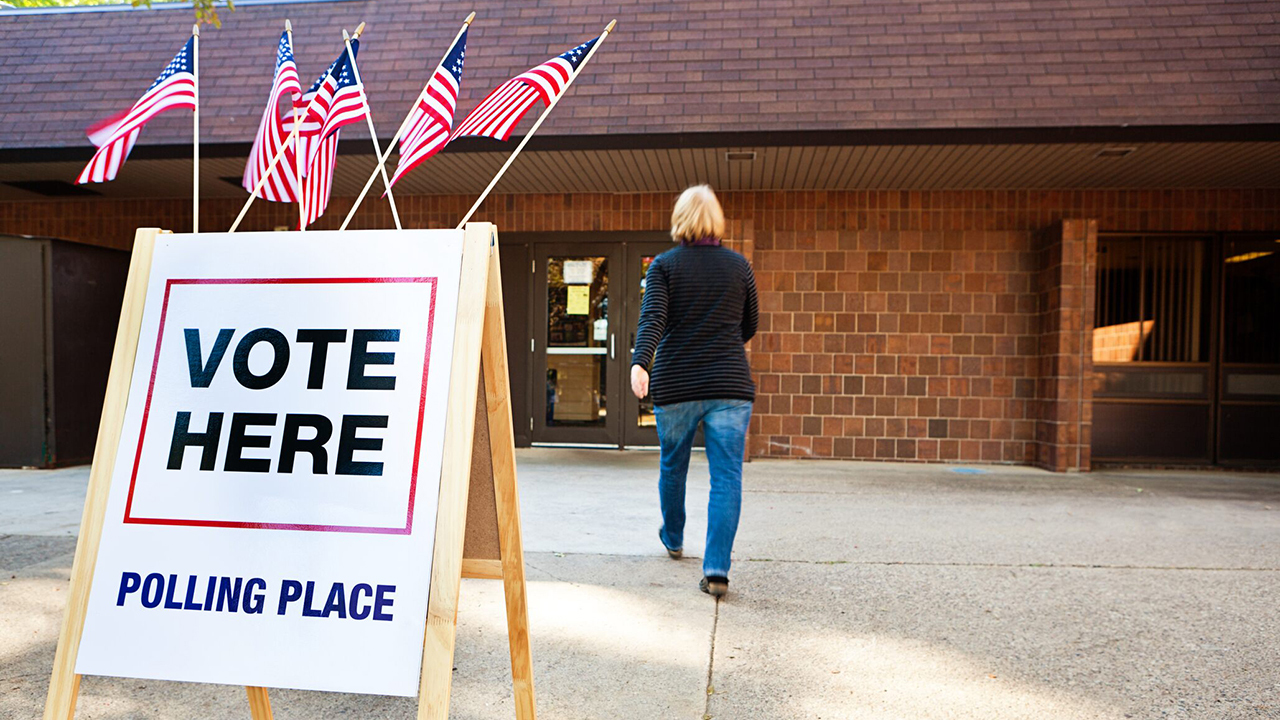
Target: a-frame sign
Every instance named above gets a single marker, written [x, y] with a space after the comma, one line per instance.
[257, 534]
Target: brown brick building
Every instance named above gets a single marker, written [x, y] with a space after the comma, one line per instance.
[982, 232]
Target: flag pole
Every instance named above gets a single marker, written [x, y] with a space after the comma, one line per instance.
[403, 126]
[608, 29]
[297, 166]
[195, 132]
[275, 160]
[368, 115]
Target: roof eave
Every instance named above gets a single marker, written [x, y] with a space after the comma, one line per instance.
[1252, 132]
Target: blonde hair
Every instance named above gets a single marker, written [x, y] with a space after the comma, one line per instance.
[697, 215]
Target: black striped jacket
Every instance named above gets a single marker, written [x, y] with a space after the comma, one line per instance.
[699, 308]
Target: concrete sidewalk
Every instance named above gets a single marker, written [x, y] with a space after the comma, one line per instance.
[859, 590]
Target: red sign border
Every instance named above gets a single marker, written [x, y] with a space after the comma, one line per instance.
[417, 445]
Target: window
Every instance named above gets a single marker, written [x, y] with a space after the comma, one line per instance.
[1152, 301]
[1251, 297]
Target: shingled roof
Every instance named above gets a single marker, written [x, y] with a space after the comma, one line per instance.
[682, 67]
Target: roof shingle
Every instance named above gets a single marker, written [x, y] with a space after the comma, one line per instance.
[732, 65]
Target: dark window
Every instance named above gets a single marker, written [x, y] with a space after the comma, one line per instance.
[1251, 295]
[1152, 302]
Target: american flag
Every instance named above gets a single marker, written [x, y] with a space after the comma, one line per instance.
[497, 115]
[334, 100]
[280, 184]
[318, 181]
[115, 136]
[338, 101]
[432, 118]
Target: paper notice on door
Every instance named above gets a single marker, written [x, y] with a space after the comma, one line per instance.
[577, 300]
[579, 272]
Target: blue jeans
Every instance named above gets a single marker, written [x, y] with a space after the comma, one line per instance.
[724, 426]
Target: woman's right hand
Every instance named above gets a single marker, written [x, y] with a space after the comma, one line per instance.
[639, 381]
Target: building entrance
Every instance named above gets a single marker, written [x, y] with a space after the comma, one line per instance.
[584, 303]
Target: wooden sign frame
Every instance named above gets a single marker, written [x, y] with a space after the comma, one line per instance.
[479, 499]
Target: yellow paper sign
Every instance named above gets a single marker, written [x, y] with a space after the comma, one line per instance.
[577, 300]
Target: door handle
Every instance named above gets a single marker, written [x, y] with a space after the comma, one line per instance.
[611, 337]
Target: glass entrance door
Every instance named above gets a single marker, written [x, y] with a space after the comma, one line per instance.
[586, 300]
[577, 380]
[639, 427]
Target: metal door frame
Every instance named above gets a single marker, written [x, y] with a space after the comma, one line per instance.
[632, 435]
[542, 244]
[600, 436]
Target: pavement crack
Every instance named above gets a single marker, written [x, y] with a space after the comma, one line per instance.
[711, 663]
[553, 576]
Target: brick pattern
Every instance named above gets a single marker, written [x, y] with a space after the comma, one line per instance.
[1068, 262]
[931, 326]
[897, 344]
[704, 66]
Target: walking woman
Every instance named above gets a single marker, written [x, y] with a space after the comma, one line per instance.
[699, 309]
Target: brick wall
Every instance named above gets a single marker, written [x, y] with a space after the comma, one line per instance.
[903, 344]
[1064, 396]
[895, 324]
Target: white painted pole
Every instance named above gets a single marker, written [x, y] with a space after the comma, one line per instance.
[275, 160]
[297, 166]
[404, 126]
[195, 132]
[534, 129]
[373, 134]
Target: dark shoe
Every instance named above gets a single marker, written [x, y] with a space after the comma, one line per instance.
[673, 554]
[715, 586]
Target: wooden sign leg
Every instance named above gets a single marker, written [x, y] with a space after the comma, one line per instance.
[64, 684]
[259, 703]
[451, 515]
[497, 386]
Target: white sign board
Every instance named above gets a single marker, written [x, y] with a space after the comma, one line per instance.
[272, 510]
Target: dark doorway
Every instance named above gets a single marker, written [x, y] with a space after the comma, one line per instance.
[577, 311]
[581, 294]
[1249, 374]
[640, 428]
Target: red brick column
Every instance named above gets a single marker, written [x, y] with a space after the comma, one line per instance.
[1065, 393]
[741, 238]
